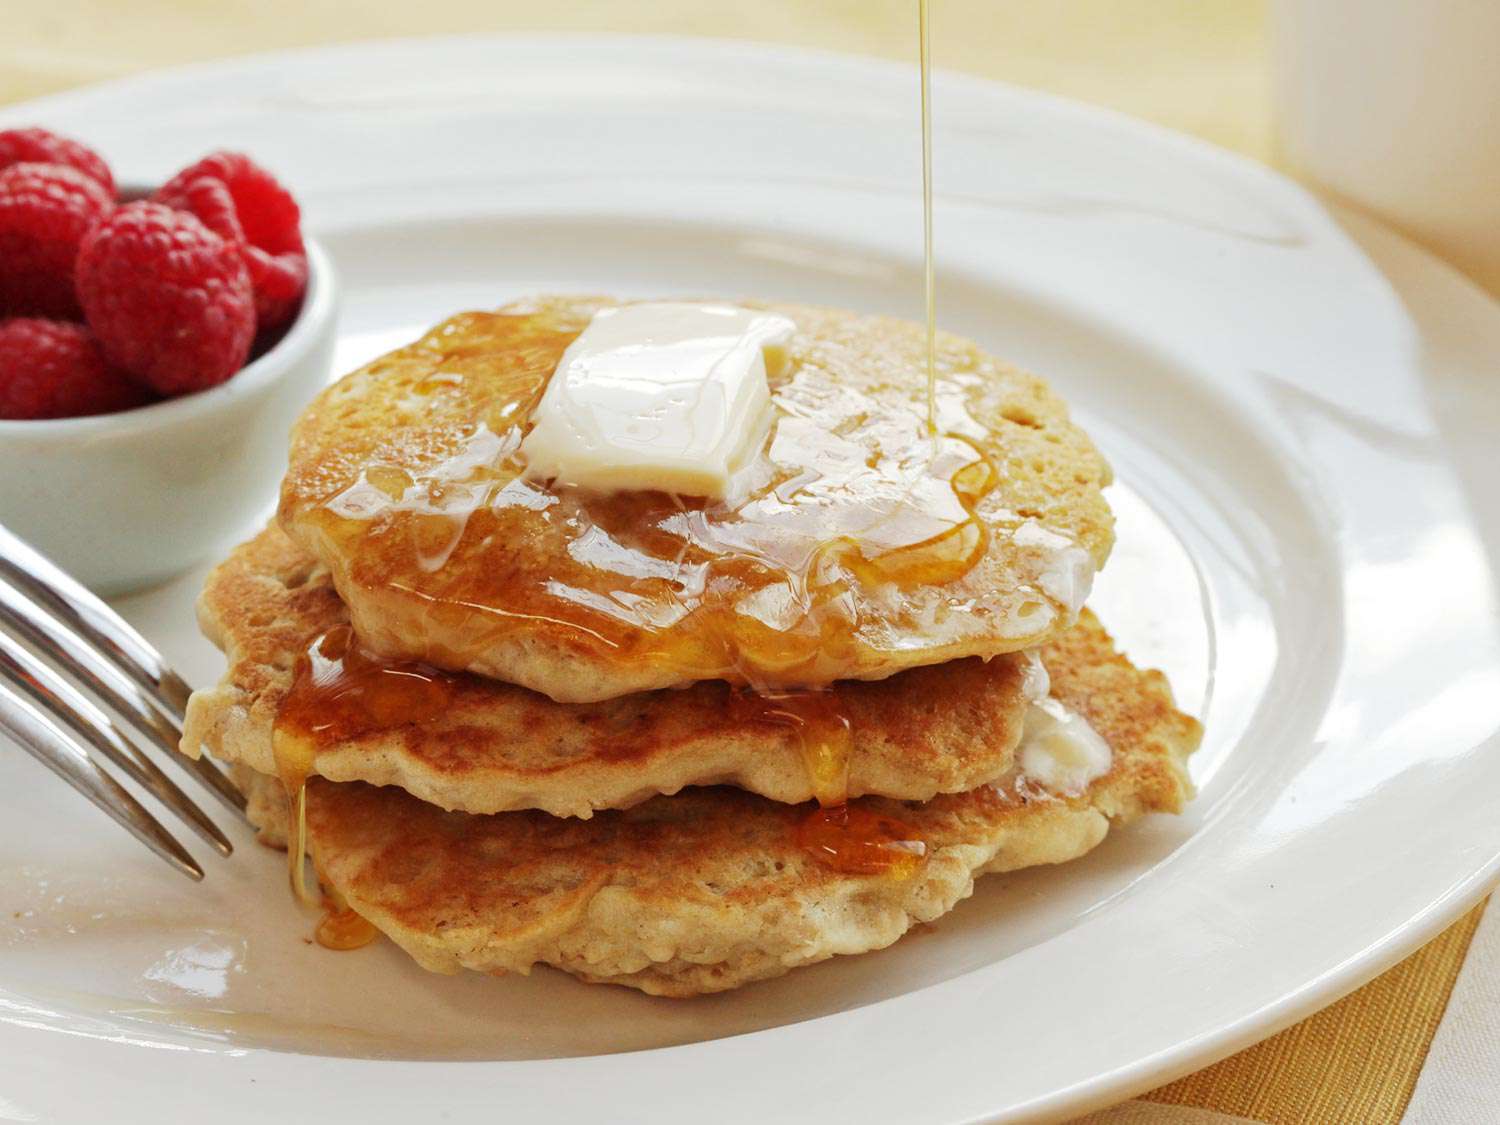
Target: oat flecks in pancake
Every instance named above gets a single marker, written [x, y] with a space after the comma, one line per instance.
[497, 747]
[707, 890]
[441, 557]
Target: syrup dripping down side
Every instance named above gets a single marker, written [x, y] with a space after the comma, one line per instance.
[822, 729]
[340, 690]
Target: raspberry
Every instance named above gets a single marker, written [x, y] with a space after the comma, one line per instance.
[169, 300]
[240, 201]
[49, 369]
[45, 210]
[38, 146]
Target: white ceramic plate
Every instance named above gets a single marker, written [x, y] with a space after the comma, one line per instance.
[1301, 410]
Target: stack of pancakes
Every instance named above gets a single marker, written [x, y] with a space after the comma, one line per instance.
[667, 743]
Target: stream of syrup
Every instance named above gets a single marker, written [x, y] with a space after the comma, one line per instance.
[929, 282]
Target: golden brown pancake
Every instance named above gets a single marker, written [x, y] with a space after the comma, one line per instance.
[492, 747]
[864, 547]
[713, 888]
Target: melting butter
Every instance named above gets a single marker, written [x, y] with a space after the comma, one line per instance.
[1036, 683]
[663, 396]
[1059, 750]
[1064, 570]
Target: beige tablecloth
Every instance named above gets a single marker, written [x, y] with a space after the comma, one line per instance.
[1195, 65]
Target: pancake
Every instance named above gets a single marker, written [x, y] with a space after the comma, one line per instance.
[492, 747]
[714, 888]
[865, 546]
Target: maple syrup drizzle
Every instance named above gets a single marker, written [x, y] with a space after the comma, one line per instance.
[296, 852]
[340, 690]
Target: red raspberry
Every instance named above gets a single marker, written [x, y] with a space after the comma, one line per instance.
[240, 201]
[169, 300]
[49, 369]
[45, 210]
[38, 146]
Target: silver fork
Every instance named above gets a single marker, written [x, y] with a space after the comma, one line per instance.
[77, 681]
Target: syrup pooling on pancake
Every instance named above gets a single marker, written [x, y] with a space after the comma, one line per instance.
[850, 552]
[341, 689]
[858, 840]
[1060, 755]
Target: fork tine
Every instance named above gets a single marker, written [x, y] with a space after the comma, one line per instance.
[86, 614]
[43, 740]
[24, 618]
[89, 722]
[214, 780]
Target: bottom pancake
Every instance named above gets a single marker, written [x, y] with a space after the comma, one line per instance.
[714, 887]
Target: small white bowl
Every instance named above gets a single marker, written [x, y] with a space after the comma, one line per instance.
[123, 501]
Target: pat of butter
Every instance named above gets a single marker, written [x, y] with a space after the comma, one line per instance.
[1060, 751]
[665, 395]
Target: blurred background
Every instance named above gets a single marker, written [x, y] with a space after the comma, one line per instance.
[1393, 105]
[1196, 65]
[1389, 104]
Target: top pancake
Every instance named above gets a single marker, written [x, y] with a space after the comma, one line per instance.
[861, 548]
